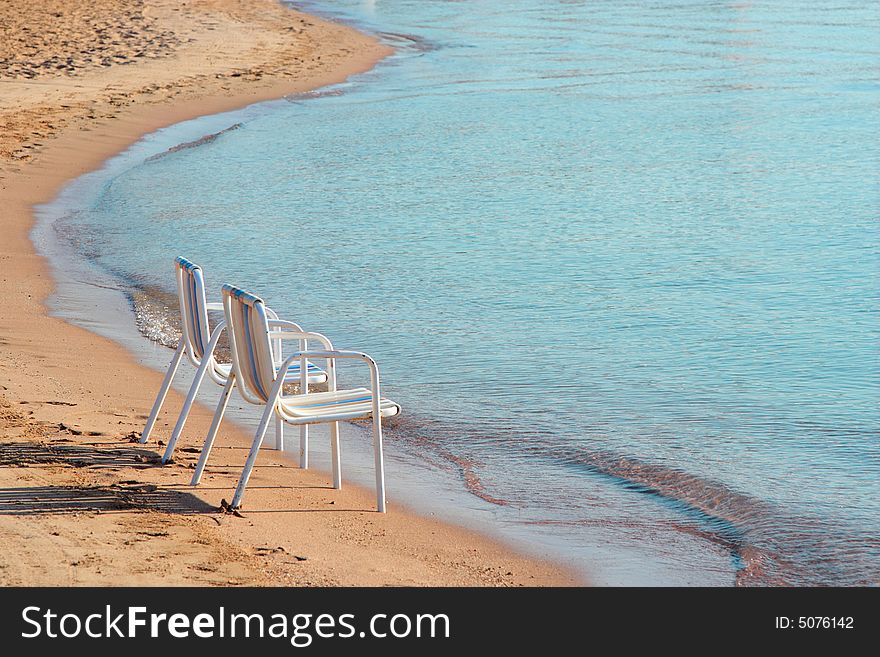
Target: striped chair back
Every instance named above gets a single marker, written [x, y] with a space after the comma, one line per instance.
[193, 307]
[249, 341]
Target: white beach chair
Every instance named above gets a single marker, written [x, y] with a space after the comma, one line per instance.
[199, 345]
[251, 336]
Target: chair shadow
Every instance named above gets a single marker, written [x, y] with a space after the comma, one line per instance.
[119, 497]
[115, 498]
[81, 456]
[45, 500]
[253, 487]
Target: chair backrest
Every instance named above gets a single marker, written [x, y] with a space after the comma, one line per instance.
[193, 307]
[248, 328]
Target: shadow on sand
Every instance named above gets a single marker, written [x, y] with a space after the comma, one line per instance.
[122, 496]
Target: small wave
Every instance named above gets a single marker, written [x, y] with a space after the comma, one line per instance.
[472, 481]
[315, 93]
[773, 546]
[157, 314]
[769, 544]
[409, 42]
[201, 141]
[415, 432]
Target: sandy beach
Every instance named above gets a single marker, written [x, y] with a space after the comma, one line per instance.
[81, 503]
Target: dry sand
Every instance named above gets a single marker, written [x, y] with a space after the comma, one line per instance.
[79, 502]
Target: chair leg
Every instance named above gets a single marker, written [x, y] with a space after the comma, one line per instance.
[252, 455]
[334, 455]
[304, 447]
[163, 390]
[279, 434]
[187, 406]
[379, 462]
[212, 432]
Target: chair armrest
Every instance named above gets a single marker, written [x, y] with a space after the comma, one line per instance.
[332, 355]
[295, 332]
[290, 331]
[335, 353]
[282, 324]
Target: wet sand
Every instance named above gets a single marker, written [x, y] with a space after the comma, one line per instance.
[80, 502]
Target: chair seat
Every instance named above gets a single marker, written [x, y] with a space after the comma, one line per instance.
[316, 374]
[338, 405]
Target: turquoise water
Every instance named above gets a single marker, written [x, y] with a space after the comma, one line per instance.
[618, 261]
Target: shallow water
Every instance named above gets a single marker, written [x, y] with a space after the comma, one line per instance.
[618, 262]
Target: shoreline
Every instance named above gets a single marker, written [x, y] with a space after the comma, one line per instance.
[50, 410]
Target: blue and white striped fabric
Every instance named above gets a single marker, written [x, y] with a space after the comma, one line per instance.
[193, 308]
[249, 338]
[341, 405]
